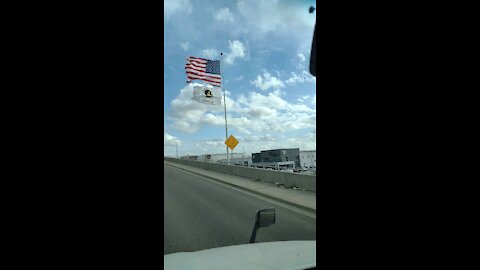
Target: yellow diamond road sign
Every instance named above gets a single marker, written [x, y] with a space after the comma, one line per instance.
[231, 142]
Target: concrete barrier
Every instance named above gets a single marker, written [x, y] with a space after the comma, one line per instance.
[307, 182]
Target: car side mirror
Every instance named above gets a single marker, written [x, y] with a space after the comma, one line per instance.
[263, 218]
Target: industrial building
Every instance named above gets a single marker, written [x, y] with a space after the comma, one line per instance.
[218, 157]
[291, 159]
[239, 161]
[189, 157]
[308, 159]
[277, 158]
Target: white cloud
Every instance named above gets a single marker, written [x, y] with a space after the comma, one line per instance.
[224, 15]
[272, 100]
[301, 57]
[212, 119]
[185, 45]
[237, 50]
[302, 99]
[189, 116]
[272, 113]
[273, 16]
[300, 108]
[252, 117]
[212, 142]
[300, 77]
[262, 112]
[210, 53]
[282, 21]
[256, 143]
[300, 61]
[169, 140]
[255, 138]
[178, 6]
[267, 81]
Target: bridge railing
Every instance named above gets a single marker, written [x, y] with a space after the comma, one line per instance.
[288, 179]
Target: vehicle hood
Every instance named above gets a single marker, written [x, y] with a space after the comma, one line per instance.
[270, 255]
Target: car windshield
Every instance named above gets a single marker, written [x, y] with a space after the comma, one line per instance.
[240, 122]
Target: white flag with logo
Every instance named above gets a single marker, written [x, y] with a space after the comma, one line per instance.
[207, 95]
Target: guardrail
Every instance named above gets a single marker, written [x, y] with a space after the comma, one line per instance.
[289, 180]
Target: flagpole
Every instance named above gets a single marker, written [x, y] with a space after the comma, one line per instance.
[224, 106]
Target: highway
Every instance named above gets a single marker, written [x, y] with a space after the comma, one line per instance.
[201, 214]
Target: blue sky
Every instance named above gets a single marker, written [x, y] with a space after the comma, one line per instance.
[271, 97]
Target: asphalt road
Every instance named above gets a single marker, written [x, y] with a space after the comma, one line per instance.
[201, 214]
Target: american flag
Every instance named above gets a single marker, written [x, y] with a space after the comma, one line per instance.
[203, 69]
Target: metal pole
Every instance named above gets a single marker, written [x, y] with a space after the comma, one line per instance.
[224, 106]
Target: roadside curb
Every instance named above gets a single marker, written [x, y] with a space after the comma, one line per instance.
[305, 208]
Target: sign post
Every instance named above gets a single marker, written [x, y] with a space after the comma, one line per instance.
[231, 142]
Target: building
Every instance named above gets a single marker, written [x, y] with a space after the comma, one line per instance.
[308, 159]
[218, 157]
[288, 158]
[242, 161]
[189, 157]
[256, 158]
